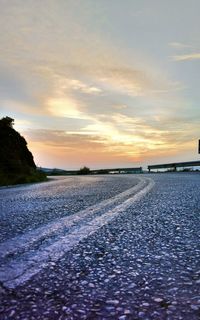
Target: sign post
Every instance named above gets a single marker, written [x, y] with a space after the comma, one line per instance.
[199, 147]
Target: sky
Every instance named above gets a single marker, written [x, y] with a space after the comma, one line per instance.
[102, 83]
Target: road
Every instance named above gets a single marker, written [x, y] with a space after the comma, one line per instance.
[101, 247]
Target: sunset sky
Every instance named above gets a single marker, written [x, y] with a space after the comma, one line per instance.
[102, 83]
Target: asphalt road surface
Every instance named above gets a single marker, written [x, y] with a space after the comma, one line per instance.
[101, 247]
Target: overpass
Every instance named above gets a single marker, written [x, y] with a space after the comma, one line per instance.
[174, 165]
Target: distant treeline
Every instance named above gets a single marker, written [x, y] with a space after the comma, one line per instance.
[59, 172]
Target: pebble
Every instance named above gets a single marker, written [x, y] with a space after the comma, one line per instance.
[127, 311]
[81, 311]
[145, 304]
[64, 308]
[132, 285]
[158, 299]
[115, 302]
[110, 308]
[91, 285]
[194, 307]
[12, 313]
[141, 314]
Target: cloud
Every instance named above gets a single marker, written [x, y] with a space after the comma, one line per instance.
[179, 45]
[74, 72]
[117, 76]
[79, 148]
[64, 107]
[187, 57]
[62, 139]
[120, 133]
[67, 84]
[75, 84]
[61, 68]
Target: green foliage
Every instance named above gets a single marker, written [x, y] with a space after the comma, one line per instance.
[12, 179]
[84, 170]
[16, 161]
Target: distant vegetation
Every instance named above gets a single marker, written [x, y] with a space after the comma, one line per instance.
[61, 172]
[84, 170]
[16, 161]
[57, 172]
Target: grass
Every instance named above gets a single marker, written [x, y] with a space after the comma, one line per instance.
[21, 178]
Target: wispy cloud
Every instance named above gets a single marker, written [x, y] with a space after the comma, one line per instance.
[187, 57]
[64, 107]
[118, 137]
[179, 45]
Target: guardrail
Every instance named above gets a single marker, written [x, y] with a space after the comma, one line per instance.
[174, 165]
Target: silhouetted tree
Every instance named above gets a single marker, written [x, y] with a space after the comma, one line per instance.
[7, 122]
[84, 170]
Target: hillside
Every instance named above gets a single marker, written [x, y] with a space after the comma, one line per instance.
[16, 161]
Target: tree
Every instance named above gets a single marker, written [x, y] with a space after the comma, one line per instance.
[7, 121]
[84, 170]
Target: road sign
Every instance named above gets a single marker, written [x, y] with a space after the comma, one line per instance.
[199, 147]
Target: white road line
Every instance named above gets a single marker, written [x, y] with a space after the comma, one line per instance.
[18, 271]
[25, 241]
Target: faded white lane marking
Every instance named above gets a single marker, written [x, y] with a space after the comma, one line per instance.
[18, 272]
[25, 241]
